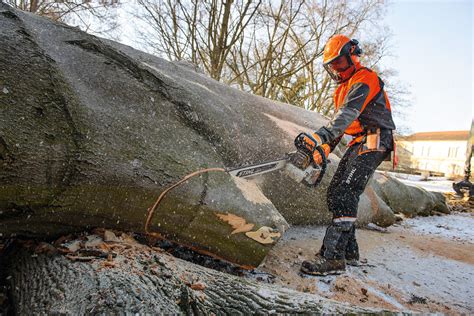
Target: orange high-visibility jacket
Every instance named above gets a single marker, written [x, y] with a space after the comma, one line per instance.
[361, 103]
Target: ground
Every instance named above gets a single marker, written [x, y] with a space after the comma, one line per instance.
[422, 264]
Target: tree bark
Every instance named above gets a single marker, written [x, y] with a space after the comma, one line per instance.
[143, 280]
[84, 146]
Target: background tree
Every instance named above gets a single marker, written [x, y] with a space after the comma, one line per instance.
[90, 16]
[285, 62]
[269, 48]
[202, 32]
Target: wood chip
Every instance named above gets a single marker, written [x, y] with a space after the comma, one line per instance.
[243, 229]
[239, 224]
[198, 286]
[264, 235]
[110, 236]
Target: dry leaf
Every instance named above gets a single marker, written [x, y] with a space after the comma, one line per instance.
[110, 264]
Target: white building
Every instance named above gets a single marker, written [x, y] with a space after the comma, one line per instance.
[436, 152]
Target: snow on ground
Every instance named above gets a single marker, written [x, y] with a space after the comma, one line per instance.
[458, 226]
[423, 264]
[435, 184]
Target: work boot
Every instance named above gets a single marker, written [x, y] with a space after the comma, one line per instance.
[352, 261]
[323, 266]
[352, 258]
[352, 254]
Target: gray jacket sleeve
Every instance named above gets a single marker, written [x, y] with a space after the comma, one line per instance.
[347, 113]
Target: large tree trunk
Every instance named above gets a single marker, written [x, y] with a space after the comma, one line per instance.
[144, 280]
[92, 131]
[90, 137]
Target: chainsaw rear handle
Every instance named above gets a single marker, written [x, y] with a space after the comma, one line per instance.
[324, 165]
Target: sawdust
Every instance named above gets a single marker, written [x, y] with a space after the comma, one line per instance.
[356, 292]
[251, 191]
[290, 128]
[284, 262]
[417, 303]
[441, 247]
[363, 285]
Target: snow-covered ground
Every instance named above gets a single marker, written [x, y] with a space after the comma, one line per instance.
[423, 264]
[459, 226]
[435, 184]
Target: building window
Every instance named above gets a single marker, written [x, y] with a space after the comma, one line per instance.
[452, 152]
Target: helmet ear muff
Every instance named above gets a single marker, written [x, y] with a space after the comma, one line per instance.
[355, 49]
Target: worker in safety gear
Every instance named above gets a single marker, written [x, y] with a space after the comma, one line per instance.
[362, 110]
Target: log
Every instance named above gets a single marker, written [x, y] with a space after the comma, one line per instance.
[90, 137]
[92, 131]
[141, 280]
[408, 200]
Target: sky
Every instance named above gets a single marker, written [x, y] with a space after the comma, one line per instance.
[432, 43]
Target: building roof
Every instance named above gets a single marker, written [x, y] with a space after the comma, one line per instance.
[438, 136]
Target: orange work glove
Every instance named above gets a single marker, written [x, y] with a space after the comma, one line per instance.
[317, 156]
[307, 141]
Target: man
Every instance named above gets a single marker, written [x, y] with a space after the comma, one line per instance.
[362, 111]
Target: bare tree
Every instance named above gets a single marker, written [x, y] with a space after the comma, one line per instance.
[90, 16]
[202, 32]
[268, 62]
[284, 63]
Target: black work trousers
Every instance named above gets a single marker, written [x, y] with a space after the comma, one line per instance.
[349, 182]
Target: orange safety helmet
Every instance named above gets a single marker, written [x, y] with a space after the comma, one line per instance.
[337, 48]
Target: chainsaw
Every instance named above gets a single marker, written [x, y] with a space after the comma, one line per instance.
[299, 164]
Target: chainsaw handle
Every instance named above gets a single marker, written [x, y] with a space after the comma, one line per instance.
[306, 143]
[323, 165]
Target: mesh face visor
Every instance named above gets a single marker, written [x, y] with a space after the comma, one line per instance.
[340, 68]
